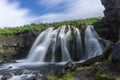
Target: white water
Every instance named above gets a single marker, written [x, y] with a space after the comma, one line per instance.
[79, 48]
[41, 46]
[92, 46]
[49, 39]
[64, 39]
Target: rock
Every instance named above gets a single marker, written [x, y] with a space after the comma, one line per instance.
[70, 66]
[24, 44]
[6, 58]
[18, 44]
[112, 8]
[7, 76]
[108, 27]
[91, 61]
[116, 52]
[39, 76]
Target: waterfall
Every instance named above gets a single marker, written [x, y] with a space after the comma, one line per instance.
[78, 46]
[64, 39]
[54, 45]
[39, 48]
[92, 45]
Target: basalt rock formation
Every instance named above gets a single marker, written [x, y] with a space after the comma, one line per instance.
[109, 26]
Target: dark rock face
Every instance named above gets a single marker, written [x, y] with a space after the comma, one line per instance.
[112, 9]
[25, 44]
[108, 27]
[116, 52]
[17, 45]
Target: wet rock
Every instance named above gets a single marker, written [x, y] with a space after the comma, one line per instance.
[6, 58]
[38, 76]
[70, 66]
[116, 52]
[7, 76]
[91, 61]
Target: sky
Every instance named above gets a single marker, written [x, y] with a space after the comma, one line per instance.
[21, 12]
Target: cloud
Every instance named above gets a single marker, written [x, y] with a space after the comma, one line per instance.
[11, 15]
[74, 9]
[50, 3]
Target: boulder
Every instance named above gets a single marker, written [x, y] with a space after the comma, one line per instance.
[70, 66]
[7, 76]
[38, 76]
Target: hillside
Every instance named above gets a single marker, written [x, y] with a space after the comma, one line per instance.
[41, 26]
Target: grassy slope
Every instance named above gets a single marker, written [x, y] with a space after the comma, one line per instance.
[39, 27]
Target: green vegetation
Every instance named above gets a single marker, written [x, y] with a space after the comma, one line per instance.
[96, 73]
[107, 52]
[39, 27]
[1, 51]
[101, 76]
[69, 75]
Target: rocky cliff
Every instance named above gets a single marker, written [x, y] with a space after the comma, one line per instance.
[109, 26]
[18, 45]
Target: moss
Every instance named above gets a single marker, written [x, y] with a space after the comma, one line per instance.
[69, 75]
[97, 63]
[118, 78]
[104, 77]
[2, 51]
[107, 52]
[101, 76]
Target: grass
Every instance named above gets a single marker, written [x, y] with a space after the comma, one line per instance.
[7, 31]
[69, 76]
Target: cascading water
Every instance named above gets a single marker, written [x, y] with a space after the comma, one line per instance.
[78, 47]
[92, 46]
[54, 45]
[40, 47]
